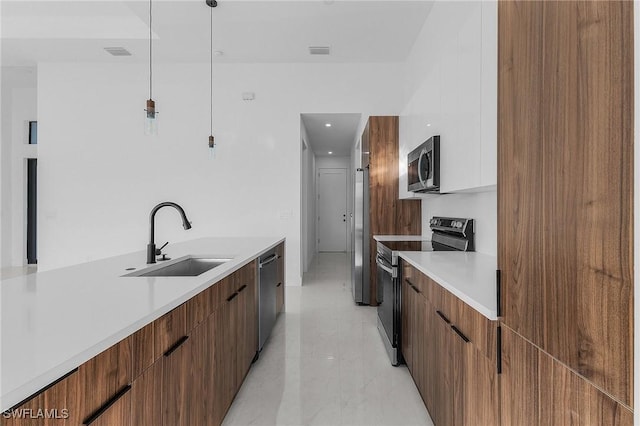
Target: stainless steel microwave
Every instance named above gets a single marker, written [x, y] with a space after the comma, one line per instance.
[423, 167]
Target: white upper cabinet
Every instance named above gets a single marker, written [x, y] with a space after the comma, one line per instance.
[451, 88]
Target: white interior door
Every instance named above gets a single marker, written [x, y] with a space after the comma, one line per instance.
[332, 210]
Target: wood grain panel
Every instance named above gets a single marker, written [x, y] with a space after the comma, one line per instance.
[251, 310]
[519, 381]
[146, 397]
[480, 388]
[520, 202]
[199, 307]
[537, 389]
[169, 328]
[178, 388]
[387, 214]
[103, 376]
[565, 146]
[406, 340]
[118, 414]
[143, 354]
[59, 398]
[480, 330]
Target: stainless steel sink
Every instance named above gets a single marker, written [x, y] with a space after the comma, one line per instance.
[190, 266]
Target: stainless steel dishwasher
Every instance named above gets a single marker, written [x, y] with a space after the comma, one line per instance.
[267, 297]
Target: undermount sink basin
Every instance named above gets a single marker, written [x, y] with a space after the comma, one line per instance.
[190, 266]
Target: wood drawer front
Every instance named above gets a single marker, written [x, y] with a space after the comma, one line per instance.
[478, 328]
[169, 329]
[143, 349]
[414, 277]
[101, 378]
[59, 397]
[199, 307]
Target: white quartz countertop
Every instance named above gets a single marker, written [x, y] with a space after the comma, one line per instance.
[469, 276]
[54, 321]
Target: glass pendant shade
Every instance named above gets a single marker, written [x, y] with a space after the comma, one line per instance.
[150, 118]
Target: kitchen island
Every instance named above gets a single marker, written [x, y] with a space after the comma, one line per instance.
[56, 321]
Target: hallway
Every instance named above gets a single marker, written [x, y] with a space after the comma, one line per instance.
[325, 363]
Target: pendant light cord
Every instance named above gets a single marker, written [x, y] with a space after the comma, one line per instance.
[211, 71]
[150, 53]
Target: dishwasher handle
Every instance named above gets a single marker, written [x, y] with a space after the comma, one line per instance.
[269, 260]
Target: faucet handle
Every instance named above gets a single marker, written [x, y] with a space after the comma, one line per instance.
[159, 250]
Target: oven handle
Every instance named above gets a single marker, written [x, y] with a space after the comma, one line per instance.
[382, 264]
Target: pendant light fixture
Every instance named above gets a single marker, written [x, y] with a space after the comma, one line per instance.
[151, 115]
[212, 143]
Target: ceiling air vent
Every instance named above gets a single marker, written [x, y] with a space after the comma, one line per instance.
[319, 50]
[117, 51]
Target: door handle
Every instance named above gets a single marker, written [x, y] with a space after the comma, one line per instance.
[175, 347]
[441, 315]
[459, 333]
[92, 418]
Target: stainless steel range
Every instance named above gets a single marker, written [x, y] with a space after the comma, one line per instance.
[448, 234]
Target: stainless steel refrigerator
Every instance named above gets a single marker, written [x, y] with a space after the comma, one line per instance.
[360, 285]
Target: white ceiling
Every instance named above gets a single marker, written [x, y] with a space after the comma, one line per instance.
[246, 31]
[338, 138]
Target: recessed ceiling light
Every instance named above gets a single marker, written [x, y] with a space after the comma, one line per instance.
[429, 125]
[330, 152]
[327, 125]
[217, 53]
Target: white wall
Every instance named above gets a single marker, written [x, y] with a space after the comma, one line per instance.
[19, 106]
[99, 176]
[307, 200]
[447, 92]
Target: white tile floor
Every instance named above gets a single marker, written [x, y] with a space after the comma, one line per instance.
[325, 363]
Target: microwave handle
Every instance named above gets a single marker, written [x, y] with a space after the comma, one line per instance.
[422, 155]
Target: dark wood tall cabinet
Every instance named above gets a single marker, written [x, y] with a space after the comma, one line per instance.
[388, 215]
[565, 207]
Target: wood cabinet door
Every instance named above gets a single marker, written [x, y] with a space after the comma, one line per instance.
[418, 339]
[60, 399]
[406, 341]
[565, 204]
[239, 307]
[177, 385]
[536, 389]
[146, 396]
[479, 395]
[443, 386]
[117, 412]
[103, 377]
[226, 350]
[251, 313]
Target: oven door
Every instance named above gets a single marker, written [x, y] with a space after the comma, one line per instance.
[387, 312]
